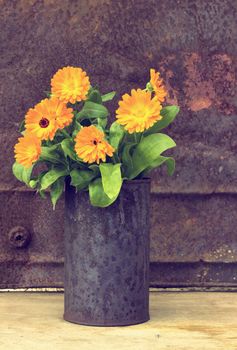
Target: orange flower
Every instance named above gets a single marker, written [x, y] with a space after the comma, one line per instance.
[157, 85]
[27, 150]
[63, 114]
[46, 117]
[138, 111]
[70, 84]
[91, 145]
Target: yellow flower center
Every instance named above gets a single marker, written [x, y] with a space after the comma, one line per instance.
[140, 112]
[44, 122]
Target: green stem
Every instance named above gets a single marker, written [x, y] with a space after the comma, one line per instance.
[138, 137]
[65, 133]
[115, 158]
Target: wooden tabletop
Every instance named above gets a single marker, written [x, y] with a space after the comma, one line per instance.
[179, 321]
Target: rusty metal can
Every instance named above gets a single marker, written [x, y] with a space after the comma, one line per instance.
[107, 258]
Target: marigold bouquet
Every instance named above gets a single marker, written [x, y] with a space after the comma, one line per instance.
[68, 134]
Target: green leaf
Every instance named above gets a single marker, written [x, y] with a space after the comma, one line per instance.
[170, 163]
[116, 133]
[111, 179]
[81, 178]
[127, 157]
[102, 122]
[68, 149]
[21, 173]
[42, 194]
[76, 129]
[36, 180]
[168, 115]
[109, 96]
[98, 197]
[33, 183]
[51, 154]
[22, 126]
[94, 96]
[148, 151]
[92, 110]
[56, 191]
[95, 168]
[51, 176]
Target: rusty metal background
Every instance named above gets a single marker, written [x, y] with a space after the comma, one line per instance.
[193, 44]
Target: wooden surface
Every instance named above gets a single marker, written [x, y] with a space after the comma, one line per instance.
[179, 321]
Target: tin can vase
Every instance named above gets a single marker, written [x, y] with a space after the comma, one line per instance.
[107, 258]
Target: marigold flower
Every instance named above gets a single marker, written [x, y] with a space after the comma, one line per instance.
[70, 84]
[157, 85]
[46, 117]
[138, 111]
[63, 114]
[91, 145]
[27, 150]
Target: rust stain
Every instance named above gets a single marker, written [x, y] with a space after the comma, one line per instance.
[210, 82]
[166, 68]
[190, 222]
[203, 81]
[200, 103]
[200, 93]
[172, 96]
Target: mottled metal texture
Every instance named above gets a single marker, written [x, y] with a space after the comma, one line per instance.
[40, 262]
[193, 274]
[193, 44]
[190, 237]
[107, 258]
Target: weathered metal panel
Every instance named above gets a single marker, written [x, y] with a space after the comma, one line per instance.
[36, 215]
[192, 228]
[185, 40]
[197, 274]
[201, 232]
[193, 44]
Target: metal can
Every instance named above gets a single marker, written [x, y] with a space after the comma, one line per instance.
[107, 257]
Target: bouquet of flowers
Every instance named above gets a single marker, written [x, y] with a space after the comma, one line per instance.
[66, 136]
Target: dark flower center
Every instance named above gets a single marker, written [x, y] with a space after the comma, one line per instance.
[44, 122]
[96, 142]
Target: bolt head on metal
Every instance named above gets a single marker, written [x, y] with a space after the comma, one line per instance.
[19, 237]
